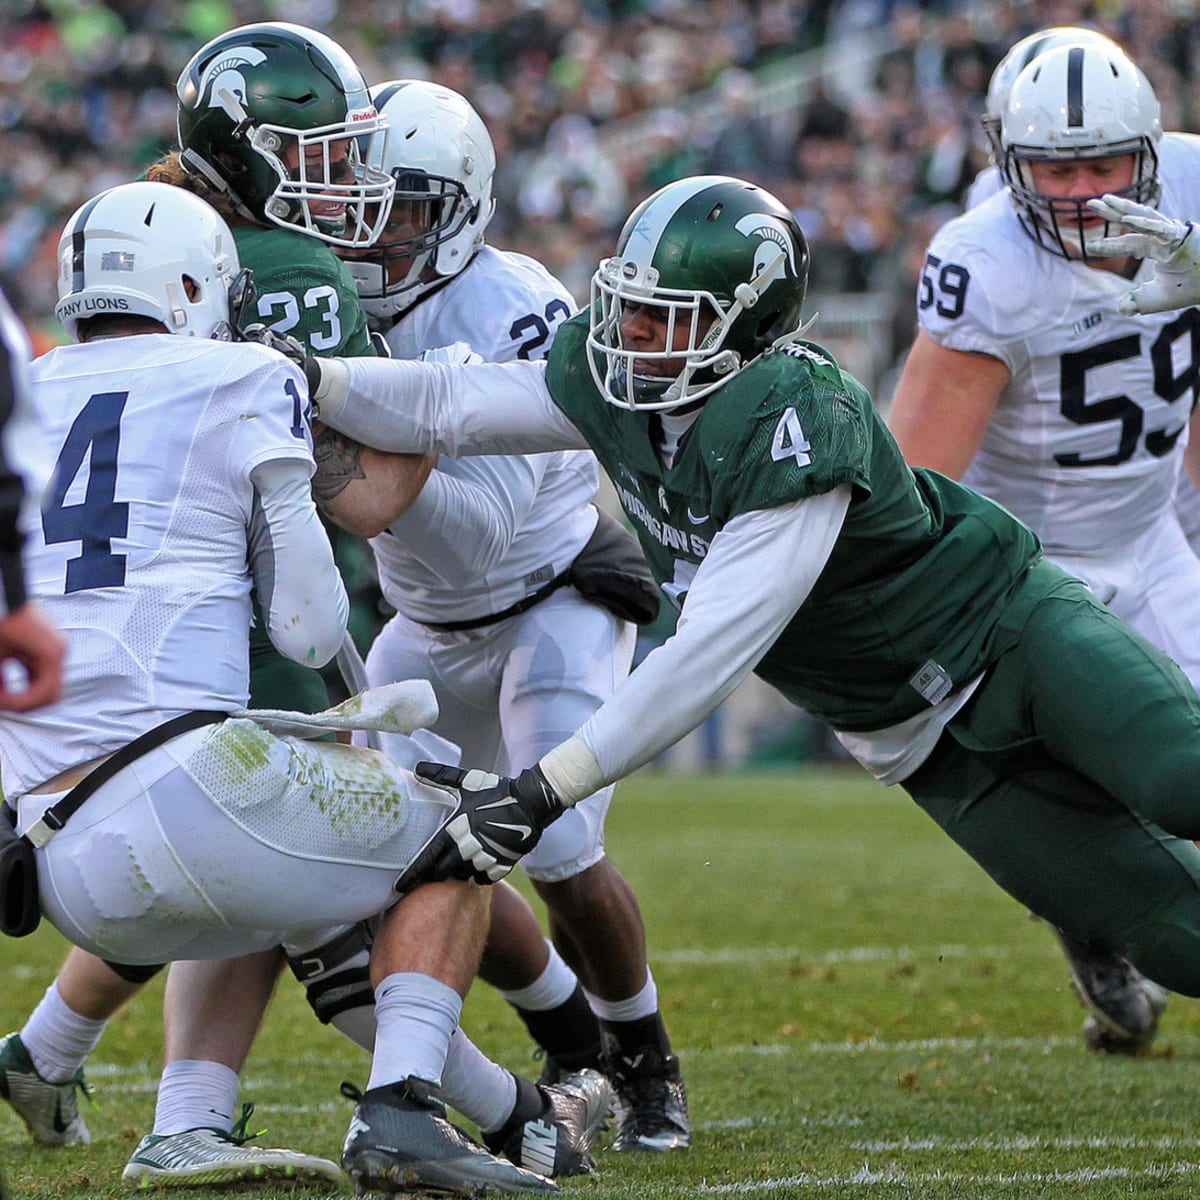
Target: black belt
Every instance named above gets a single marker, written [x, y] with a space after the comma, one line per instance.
[55, 817]
[512, 611]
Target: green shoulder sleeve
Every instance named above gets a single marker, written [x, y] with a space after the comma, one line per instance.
[568, 378]
[792, 426]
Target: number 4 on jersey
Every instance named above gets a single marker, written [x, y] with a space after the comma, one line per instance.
[789, 440]
[99, 516]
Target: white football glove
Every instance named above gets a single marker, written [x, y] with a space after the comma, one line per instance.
[1172, 244]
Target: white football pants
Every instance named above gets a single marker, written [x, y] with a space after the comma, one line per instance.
[1154, 585]
[509, 692]
[229, 839]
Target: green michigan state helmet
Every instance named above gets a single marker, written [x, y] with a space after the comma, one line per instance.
[723, 264]
[279, 118]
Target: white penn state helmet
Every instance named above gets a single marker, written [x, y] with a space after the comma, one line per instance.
[1076, 103]
[1020, 54]
[440, 154]
[135, 248]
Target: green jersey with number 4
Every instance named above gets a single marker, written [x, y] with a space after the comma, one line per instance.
[304, 289]
[928, 581]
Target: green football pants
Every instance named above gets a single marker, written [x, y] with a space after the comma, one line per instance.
[1073, 778]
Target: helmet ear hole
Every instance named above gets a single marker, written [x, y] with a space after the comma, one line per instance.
[762, 332]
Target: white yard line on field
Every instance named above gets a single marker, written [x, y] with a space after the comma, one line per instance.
[751, 955]
[1028, 1143]
[867, 1176]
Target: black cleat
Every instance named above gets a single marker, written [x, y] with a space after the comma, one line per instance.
[651, 1102]
[557, 1141]
[400, 1140]
[1124, 1005]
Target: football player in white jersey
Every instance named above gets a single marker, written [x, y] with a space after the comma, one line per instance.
[1026, 382]
[476, 569]
[168, 504]
[27, 638]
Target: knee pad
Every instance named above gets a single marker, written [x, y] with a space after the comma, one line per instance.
[336, 976]
[134, 974]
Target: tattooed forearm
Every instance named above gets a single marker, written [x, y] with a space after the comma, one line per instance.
[339, 462]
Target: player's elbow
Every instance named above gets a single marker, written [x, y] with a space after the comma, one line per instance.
[311, 634]
[359, 523]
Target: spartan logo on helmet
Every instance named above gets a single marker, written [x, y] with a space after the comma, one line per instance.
[775, 248]
[223, 85]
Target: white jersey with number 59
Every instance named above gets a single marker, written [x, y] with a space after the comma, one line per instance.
[1087, 438]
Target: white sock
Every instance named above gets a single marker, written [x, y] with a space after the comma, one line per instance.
[473, 1085]
[554, 986]
[195, 1094]
[58, 1038]
[642, 1004]
[414, 1016]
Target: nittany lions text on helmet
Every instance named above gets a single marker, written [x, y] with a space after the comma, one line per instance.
[279, 117]
[440, 155]
[725, 261]
[149, 250]
[1078, 102]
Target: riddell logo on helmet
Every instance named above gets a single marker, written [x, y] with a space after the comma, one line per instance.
[364, 114]
[93, 304]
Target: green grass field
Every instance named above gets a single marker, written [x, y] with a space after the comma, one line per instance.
[858, 1010]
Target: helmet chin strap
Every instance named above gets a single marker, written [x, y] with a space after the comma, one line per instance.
[195, 165]
[796, 334]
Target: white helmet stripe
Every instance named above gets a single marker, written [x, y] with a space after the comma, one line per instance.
[643, 241]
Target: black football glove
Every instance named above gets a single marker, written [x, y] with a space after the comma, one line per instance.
[289, 347]
[496, 822]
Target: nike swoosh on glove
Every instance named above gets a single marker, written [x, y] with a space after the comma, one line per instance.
[496, 821]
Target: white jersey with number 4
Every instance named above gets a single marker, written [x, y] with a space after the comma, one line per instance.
[155, 437]
[1086, 441]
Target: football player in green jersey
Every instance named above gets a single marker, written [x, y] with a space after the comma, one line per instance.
[915, 617]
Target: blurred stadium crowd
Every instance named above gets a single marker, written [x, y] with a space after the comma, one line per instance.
[861, 114]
